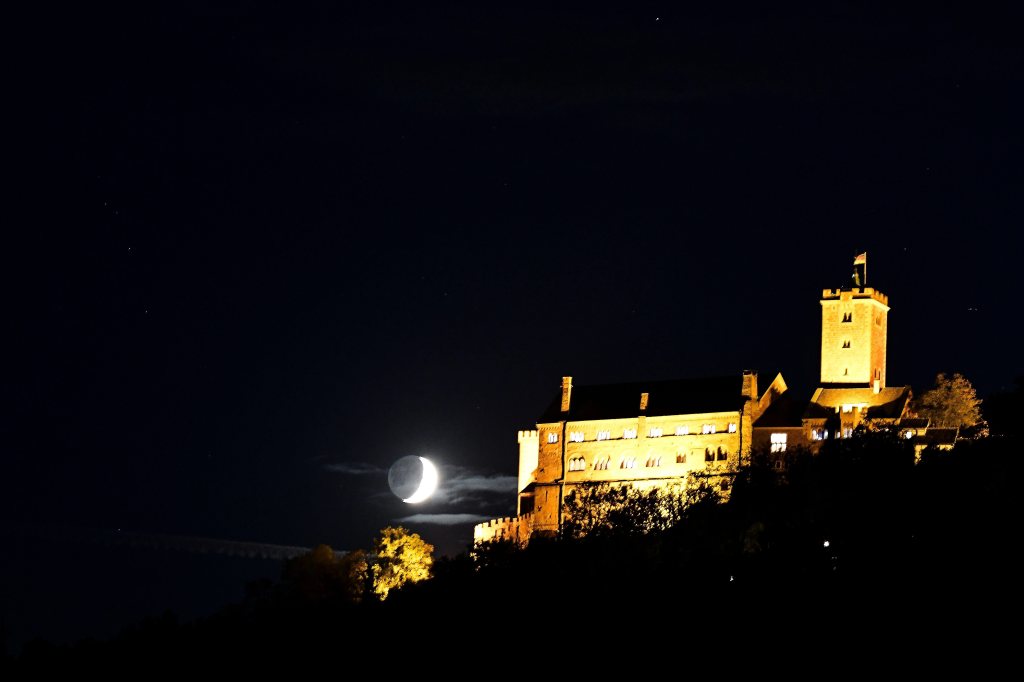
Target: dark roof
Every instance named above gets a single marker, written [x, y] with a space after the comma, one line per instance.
[681, 396]
[915, 422]
[785, 410]
[889, 403]
[940, 436]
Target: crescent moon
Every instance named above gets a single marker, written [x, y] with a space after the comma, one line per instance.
[428, 483]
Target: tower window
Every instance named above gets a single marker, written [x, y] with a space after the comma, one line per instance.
[601, 464]
[846, 344]
[552, 437]
[778, 442]
[577, 464]
[629, 433]
[847, 317]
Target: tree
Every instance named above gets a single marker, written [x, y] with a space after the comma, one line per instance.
[321, 574]
[402, 557]
[623, 510]
[952, 403]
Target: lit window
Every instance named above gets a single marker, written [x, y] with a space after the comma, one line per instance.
[601, 464]
[722, 455]
[908, 434]
[847, 317]
[778, 442]
[681, 458]
[576, 436]
[655, 432]
[653, 461]
[847, 408]
[683, 430]
[577, 464]
[629, 433]
[846, 344]
[847, 432]
[628, 463]
[707, 428]
[732, 427]
[709, 456]
[604, 435]
[552, 437]
[818, 434]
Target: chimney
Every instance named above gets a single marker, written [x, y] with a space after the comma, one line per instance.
[566, 393]
[643, 401]
[750, 384]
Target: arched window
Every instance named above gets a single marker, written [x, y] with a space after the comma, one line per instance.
[681, 458]
[628, 463]
[722, 455]
[577, 464]
[654, 461]
[601, 464]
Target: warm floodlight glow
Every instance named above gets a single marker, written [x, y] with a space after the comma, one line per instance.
[428, 483]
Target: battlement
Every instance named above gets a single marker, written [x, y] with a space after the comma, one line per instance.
[528, 435]
[853, 294]
[506, 529]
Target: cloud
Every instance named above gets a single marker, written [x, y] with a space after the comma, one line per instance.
[443, 519]
[463, 486]
[354, 468]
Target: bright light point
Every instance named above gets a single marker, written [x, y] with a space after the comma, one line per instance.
[826, 543]
[428, 483]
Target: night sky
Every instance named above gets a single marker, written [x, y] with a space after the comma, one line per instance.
[253, 256]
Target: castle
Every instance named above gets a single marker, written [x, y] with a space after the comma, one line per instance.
[666, 433]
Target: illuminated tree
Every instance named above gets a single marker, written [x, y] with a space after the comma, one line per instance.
[402, 557]
[952, 403]
[604, 509]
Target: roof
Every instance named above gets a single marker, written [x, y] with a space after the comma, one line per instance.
[888, 403]
[940, 436]
[680, 396]
[784, 411]
[915, 422]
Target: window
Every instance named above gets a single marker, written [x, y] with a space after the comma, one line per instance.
[628, 463]
[681, 458]
[707, 428]
[778, 442]
[575, 436]
[819, 434]
[846, 344]
[722, 455]
[847, 317]
[878, 319]
[653, 461]
[552, 437]
[604, 435]
[708, 455]
[655, 432]
[683, 430]
[847, 408]
[577, 464]
[779, 464]
[847, 432]
[908, 434]
[601, 464]
[732, 427]
[629, 433]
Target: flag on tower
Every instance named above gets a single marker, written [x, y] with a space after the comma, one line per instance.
[862, 259]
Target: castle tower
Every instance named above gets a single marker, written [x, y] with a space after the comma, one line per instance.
[854, 324]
